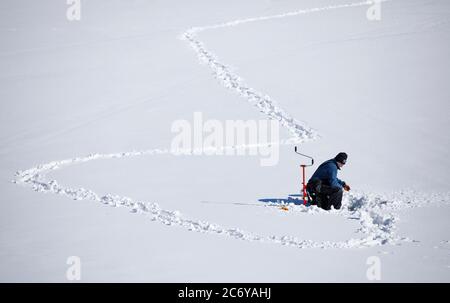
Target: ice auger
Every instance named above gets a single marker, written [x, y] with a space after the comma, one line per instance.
[303, 172]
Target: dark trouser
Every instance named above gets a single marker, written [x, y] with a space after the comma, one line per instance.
[325, 196]
[330, 196]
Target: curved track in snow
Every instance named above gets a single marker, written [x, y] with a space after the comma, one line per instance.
[374, 212]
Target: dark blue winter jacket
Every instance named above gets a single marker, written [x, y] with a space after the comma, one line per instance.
[327, 173]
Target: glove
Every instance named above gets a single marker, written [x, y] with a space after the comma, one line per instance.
[346, 187]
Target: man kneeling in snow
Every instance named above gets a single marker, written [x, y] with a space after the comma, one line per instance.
[324, 187]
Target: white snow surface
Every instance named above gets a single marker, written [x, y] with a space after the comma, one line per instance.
[118, 78]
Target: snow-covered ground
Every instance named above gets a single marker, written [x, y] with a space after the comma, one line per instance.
[87, 168]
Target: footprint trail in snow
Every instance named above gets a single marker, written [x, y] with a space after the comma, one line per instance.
[374, 212]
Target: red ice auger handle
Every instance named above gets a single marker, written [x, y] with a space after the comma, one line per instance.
[312, 160]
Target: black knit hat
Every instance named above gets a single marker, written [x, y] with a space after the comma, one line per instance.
[341, 158]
